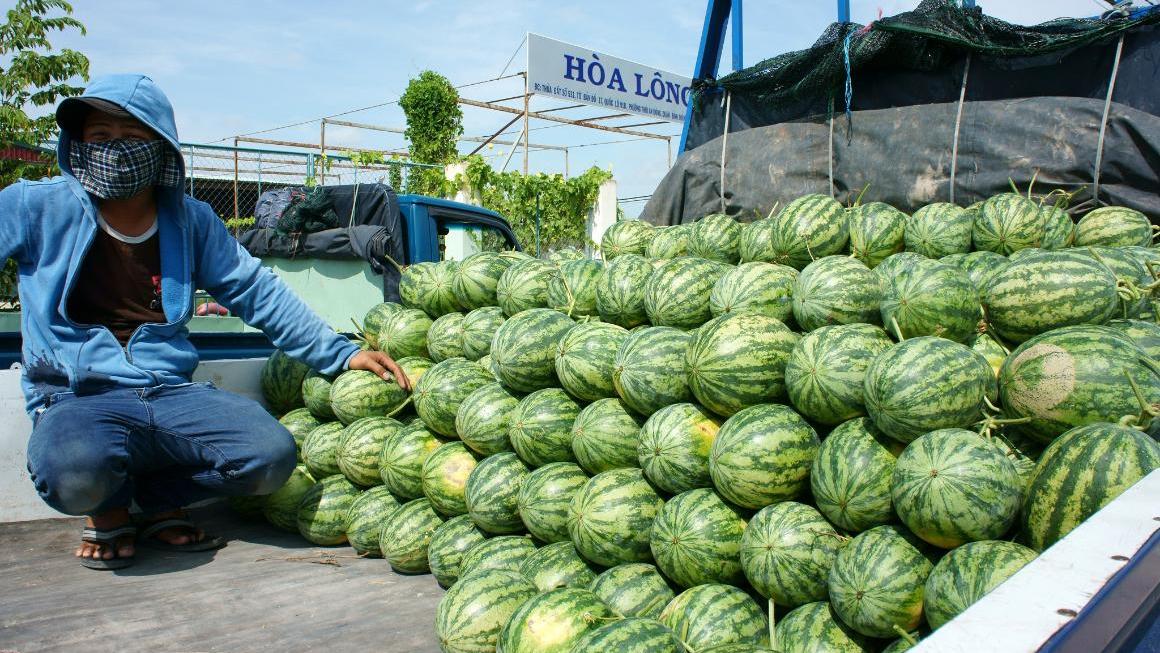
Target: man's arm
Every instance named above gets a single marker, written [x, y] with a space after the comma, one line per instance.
[251, 291]
[13, 224]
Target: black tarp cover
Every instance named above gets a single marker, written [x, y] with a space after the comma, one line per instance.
[1023, 116]
[372, 232]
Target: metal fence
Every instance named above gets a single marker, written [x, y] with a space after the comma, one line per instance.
[230, 179]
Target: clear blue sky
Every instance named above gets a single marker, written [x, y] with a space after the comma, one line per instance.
[240, 67]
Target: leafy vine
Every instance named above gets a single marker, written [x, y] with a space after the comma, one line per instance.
[434, 125]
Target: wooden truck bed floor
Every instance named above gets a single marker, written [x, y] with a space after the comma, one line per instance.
[265, 591]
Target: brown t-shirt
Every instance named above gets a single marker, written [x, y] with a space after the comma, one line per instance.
[119, 284]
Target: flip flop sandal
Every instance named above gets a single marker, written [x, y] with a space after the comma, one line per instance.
[148, 537]
[108, 538]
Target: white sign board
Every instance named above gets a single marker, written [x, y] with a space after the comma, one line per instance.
[571, 72]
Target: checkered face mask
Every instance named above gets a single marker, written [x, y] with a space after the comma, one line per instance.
[122, 168]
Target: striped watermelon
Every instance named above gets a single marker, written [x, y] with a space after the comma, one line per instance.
[836, 290]
[442, 389]
[412, 277]
[1079, 473]
[405, 334]
[931, 299]
[450, 541]
[402, 458]
[903, 643]
[969, 573]
[808, 228]
[322, 511]
[523, 353]
[364, 520]
[714, 615]
[633, 590]
[1146, 335]
[815, 628]
[361, 445]
[633, 634]
[677, 292]
[736, 361]
[876, 582]
[669, 242]
[358, 394]
[281, 508]
[281, 382]
[437, 290]
[471, 613]
[320, 450]
[1007, 223]
[610, 518]
[316, 395]
[405, 535]
[479, 327]
[826, 368]
[715, 237]
[851, 475]
[445, 337]
[552, 622]
[674, 447]
[1133, 271]
[737, 648]
[993, 352]
[787, 551]
[545, 496]
[980, 267]
[565, 254]
[892, 265]
[650, 369]
[586, 357]
[503, 553]
[951, 487]
[557, 565]
[540, 427]
[525, 285]
[1060, 228]
[476, 277]
[299, 422]
[762, 455]
[696, 539]
[605, 436]
[625, 237]
[1114, 226]
[924, 384]
[445, 474]
[940, 229]
[483, 418]
[493, 491]
[573, 291]
[755, 244]
[374, 320]
[1027, 297]
[620, 291]
[756, 287]
[877, 230]
[1075, 376]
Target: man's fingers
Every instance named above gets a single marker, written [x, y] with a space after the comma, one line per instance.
[400, 375]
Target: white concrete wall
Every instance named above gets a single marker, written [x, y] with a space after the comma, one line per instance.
[18, 498]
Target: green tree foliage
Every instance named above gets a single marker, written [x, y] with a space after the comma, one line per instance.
[434, 125]
[35, 76]
[564, 203]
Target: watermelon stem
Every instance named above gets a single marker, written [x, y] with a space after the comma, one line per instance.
[401, 407]
[1031, 185]
[905, 635]
[858, 200]
[1147, 411]
[772, 632]
[775, 205]
[897, 329]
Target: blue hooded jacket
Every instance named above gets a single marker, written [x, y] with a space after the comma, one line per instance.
[48, 227]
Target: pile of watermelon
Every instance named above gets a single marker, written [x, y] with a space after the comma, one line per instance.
[851, 421]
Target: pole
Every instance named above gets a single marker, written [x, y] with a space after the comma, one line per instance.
[537, 225]
[322, 151]
[235, 178]
[527, 102]
[843, 11]
[738, 58]
[565, 163]
[669, 143]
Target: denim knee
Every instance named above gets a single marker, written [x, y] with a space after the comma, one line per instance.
[78, 483]
[270, 463]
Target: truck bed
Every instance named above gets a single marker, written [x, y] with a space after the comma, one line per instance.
[265, 590]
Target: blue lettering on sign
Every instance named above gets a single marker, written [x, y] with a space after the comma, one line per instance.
[573, 64]
[592, 71]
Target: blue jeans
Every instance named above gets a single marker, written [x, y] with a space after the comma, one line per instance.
[165, 447]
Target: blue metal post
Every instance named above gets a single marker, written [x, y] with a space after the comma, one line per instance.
[969, 4]
[709, 54]
[738, 57]
[843, 11]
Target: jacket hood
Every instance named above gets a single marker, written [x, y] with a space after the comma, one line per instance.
[136, 94]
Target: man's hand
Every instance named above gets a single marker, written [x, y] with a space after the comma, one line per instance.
[382, 365]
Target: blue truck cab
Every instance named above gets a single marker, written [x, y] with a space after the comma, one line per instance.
[425, 219]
